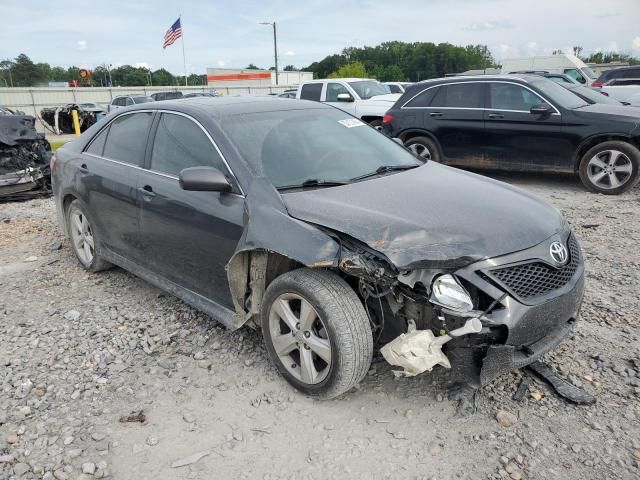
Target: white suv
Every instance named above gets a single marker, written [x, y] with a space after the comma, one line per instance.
[366, 99]
[126, 100]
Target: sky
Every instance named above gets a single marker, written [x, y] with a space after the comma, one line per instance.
[227, 34]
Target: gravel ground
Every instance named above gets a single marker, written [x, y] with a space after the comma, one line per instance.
[80, 350]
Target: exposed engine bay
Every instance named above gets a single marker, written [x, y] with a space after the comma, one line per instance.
[60, 119]
[24, 158]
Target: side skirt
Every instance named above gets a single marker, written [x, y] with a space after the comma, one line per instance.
[211, 308]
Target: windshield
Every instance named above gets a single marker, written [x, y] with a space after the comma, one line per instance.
[589, 73]
[592, 96]
[558, 94]
[325, 145]
[368, 88]
[142, 99]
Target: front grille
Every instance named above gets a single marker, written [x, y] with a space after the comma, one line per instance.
[534, 279]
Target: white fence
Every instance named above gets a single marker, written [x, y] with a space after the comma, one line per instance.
[32, 100]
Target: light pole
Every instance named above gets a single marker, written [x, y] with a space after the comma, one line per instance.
[275, 45]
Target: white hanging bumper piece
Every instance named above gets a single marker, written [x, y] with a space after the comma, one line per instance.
[419, 351]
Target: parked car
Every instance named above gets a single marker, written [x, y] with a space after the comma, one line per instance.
[126, 101]
[564, 63]
[159, 96]
[592, 96]
[560, 78]
[363, 98]
[202, 94]
[301, 219]
[623, 89]
[396, 87]
[616, 73]
[291, 93]
[522, 123]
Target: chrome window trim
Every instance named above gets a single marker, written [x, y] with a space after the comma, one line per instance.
[149, 110]
[404, 105]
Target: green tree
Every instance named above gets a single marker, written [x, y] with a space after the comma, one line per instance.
[350, 70]
[251, 66]
[289, 68]
[162, 77]
[25, 73]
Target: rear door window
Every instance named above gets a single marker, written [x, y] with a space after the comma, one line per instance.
[394, 88]
[311, 91]
[459, 95]
[333, 90]
[509, 96]
[127, 138]
[180, 143]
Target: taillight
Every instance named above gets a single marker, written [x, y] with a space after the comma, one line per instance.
[388, 118]
[597, 84]
[53, 162]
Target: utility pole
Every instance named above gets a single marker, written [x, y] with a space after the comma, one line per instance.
[275, 45]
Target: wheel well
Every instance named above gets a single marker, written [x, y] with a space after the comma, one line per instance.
[370, 118]
[592, 142]
[66, 201]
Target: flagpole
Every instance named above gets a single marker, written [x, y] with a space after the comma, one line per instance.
[184, 59]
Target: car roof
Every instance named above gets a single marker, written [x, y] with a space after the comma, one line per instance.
[523, 77]
[342, 80]
[229, 105]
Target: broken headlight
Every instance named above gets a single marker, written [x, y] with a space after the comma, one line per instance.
[447, 292]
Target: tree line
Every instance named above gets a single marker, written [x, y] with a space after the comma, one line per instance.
[389, 61]
[23, 72]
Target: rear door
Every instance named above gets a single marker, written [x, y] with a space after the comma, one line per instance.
[187, 237]
[109, 169]
[517, 139]
[455, 117]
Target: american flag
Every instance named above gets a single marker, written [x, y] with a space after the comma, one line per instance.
[174, 33]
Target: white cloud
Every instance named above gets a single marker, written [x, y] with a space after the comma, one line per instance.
[82, 45]
[635, 43]
[221, 63]
[488, 25]
[291, 53]
[142, 65]
[507, 51]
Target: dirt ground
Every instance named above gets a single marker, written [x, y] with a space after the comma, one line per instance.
[80, 350]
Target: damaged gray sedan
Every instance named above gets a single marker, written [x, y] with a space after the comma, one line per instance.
[301, 220]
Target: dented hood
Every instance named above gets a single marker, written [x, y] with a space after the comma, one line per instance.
[431, 216]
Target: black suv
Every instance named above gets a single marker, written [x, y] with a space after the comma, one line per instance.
[519, 123]
[615, 74]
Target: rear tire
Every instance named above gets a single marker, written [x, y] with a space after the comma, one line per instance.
[316, 332]
[610, 167]
[424, 148]
[377, 124]
[84, 242]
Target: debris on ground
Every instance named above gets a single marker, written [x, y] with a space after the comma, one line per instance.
[521, 391]
[190, 459]
[570, 392]
[134, 417]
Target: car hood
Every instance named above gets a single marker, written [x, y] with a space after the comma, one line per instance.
[432, 216]
[389, 97]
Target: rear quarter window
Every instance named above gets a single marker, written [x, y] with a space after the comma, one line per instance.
[422, 99]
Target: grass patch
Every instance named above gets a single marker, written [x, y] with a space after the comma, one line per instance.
[56, 145]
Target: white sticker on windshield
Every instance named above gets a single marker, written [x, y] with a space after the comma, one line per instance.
[351, 122]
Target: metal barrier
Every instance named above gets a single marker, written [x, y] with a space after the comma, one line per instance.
[32, 100]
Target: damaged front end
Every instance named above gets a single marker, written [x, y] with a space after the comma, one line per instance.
[24, 159]
[60, 119]
[465, 318]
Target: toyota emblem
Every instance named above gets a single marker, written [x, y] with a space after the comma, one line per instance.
[558, 253]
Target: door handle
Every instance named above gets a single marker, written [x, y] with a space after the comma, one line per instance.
[147, 192]
[495, 115]
[435, 114]
[83, 168]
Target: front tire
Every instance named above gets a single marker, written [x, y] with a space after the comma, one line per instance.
[424, 148]
[83, 238]
[610, 167]
[317, 332]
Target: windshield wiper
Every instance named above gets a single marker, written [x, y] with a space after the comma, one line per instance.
[384, 169]
[313, 182]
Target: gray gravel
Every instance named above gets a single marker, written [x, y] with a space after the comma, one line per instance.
[80, 350]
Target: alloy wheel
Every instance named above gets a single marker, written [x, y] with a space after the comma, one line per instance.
[609, 169]
[420, 150]
[300, 338]
[82, 237]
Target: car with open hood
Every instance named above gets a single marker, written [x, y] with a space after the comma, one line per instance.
[301, 220]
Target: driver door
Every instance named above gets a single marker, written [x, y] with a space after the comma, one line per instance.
[515, 138]
[331, 92]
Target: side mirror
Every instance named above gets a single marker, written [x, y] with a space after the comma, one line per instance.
[203, 179]
[345, 97]
[541, 109]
